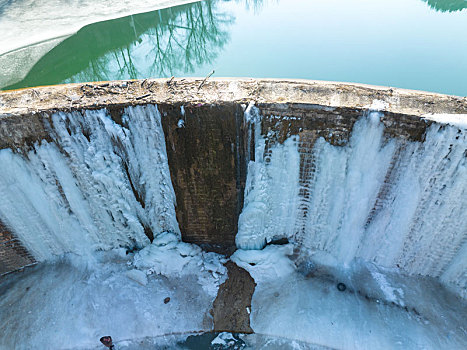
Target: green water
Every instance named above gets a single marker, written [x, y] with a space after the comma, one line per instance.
[414, 44]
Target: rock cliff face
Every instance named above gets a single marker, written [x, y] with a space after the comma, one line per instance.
[96, 166]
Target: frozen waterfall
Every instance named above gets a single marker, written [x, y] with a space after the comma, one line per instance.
[100, 182]
[346, 237]
[96, 185]
[393, 202]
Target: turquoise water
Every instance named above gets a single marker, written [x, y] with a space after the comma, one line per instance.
[413, 44]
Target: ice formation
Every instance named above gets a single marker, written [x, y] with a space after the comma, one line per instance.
[30, 28]
[168, 256]
[366, 212]
[109, 295]
[310, 308]
[459, 120]
[392, 202]
[106, 185]
[271, 191]
[27, 22]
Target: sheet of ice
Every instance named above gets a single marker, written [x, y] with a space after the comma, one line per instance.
[89, 300]
[223, 339]
[98, 185]
[15, 65]
[32, 28]
[26, 22]
[201, 341]
[355, 197]
[310, 308]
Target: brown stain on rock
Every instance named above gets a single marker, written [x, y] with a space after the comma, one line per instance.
[233, 298]
[20, 134]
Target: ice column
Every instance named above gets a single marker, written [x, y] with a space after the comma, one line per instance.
[271, 190]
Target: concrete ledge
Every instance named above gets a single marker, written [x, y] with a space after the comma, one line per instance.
[222, 90]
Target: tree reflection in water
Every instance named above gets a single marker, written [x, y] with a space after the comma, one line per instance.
[447, 5]
[173, 41]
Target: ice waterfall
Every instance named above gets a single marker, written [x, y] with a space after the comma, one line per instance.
[102, 181]
[96, 185]
[393, 202]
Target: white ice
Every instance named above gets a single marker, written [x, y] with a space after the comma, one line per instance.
[307, 305]
[459, 120]
[77, 194]
[223, 339]
[168, 256]
[71, 303]
[383, 200]
[32, 28]
[270, 192]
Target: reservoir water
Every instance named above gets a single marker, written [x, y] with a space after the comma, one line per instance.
[413, 44]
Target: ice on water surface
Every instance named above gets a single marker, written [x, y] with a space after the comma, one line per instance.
[378, 309]
[27, 22]
[71, 303]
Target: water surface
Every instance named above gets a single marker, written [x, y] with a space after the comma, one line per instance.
[414, 44]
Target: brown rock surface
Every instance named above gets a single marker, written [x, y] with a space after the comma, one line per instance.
[234, 297]
[206, 162]
[13, 255]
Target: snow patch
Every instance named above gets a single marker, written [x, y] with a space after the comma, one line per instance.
[267, 264]
[167, 255]
[378, 105]
[458, 120]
